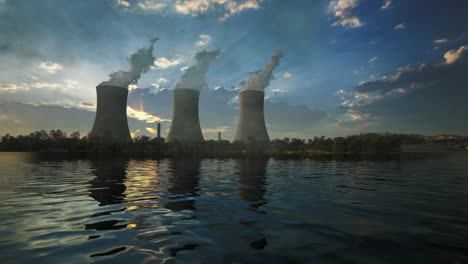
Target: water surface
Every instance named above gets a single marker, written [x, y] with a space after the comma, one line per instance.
[233, 211]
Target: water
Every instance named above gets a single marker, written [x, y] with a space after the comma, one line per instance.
[233, 211]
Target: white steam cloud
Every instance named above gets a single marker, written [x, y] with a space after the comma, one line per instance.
[140, 62]
[260, 80]
[194, 77]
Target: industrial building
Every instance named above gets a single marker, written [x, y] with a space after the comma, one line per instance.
[251, 120]
[111, 125]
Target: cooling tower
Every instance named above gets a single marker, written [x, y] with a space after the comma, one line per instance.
[110, 124]
[185, 125]
[251, 121]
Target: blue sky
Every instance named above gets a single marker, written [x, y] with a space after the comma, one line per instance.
[349, 66]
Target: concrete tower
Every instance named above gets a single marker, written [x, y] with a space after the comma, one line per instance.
[251, 120]
[110, 125]
[185, 125]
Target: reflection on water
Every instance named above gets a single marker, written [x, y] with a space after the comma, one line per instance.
[233, 211]
[183, 177]
[108, 185]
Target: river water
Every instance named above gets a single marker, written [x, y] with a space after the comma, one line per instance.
[233, 211]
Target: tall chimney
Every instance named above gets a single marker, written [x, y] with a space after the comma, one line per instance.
[251, 120]
[219, 136]
[159, 130]
[185, 125]
[110, 125]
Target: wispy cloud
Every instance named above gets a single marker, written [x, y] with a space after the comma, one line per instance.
[216, 129]
[122, 3]
[204, 40]
[373, 59]
[8, 87]
[164, 63]
[400, 26]
[223, 9]
[441, 41]
[153, 4]
[343, 11]
[50, 67]
[387, 4]
[288, 75]
[454, 55]
[144, 116]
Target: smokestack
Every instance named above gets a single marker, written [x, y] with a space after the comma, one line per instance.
[159, 131]
[185, 125]
[251, 120]
[110, 124]
[219, 136]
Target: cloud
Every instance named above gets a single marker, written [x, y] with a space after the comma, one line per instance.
[387, 4]
[152, 131]
[122, 3]
[400, 26]
[159, 84]
[404, 96]
[144, 116]
[288, 75]
[44, 85]
[373, 59]
[342, 10]
[50, 67]
[204, 41]
[221, 129]
[228, 8]
[453, 56]
[8, 87]
[441, 41]
[165, 63]
[153, 4]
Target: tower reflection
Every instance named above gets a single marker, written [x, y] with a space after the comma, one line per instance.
[252, 188]
[252, 180]
[108, 185]
[183, 179]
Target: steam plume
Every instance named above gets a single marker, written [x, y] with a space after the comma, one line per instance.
[260, 80]
[194, 77]
[140, 62]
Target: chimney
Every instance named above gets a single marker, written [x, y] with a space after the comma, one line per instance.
[219, 136]
[159, 130]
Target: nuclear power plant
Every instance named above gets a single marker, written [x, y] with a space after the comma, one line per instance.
[110, 124]
[251, 120]
[185, 125]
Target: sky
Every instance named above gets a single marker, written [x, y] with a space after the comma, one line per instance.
[348, 66]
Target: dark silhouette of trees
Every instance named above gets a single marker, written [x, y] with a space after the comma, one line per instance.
[57, 140]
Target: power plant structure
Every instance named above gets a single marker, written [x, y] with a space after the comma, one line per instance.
[251, 120]
[185, 125]
[111, 125]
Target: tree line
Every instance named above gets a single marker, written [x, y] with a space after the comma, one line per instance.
[57, 140]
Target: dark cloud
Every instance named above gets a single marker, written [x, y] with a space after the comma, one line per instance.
[420, 99]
